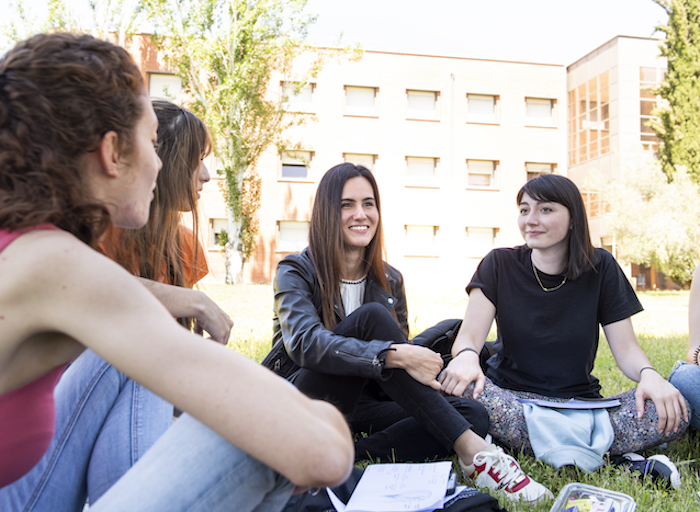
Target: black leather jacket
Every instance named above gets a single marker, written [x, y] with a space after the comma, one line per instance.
[297, 322]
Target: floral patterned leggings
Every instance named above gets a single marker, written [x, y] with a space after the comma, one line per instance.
[508, 426]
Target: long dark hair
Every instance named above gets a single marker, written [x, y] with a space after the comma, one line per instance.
[559, 189]
[59, 95]
[326, 243]
[155, 250]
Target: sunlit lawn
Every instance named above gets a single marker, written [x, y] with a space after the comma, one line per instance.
[662, 330]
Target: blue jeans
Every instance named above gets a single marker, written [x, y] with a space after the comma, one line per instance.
[105, 422]
[686, 378]
[193, 469]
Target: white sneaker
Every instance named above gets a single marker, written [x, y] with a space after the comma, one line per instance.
[493, 469]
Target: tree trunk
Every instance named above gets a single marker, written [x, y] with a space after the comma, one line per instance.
[234, 257]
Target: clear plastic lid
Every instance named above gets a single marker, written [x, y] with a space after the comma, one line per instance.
[587, 498]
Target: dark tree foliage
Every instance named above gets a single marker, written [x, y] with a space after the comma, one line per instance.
[679, 121]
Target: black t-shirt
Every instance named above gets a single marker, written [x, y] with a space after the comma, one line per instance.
[547, 341]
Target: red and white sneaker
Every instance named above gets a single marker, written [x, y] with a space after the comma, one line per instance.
[493, 469]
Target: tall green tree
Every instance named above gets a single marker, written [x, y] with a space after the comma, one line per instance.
[226, 52]
[679, 121]
[100, 18]
[654, 221]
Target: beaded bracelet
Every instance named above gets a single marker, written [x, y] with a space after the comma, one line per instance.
[695, 356]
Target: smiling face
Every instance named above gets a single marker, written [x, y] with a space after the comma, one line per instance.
[358, 213]
[544, 225]
[140, 170]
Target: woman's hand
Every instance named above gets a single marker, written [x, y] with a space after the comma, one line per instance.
[462, 371]
[670, 404]
[421, 363]
[184, 302]
[464, 367]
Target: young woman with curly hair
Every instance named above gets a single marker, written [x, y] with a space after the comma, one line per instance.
[77, 137]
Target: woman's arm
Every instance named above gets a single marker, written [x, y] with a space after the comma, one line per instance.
[694, 319]
[187, 303]
[70, 289]
[670, 404]
[464, 367]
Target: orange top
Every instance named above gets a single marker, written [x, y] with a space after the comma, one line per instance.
[191, 274]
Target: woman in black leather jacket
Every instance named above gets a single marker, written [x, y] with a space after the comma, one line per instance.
[340, 313]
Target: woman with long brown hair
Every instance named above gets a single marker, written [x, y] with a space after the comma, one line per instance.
[174, 255]
[77, 152]
[340, 313]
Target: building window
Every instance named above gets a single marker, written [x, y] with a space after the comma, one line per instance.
[482, 173]
[293, 235]
[589, 120]
[421, 171]
[421, 240]
[298, 97]
[219, 235]
[422, 104]
[166, 86]
[295, 164]
[593, 204]
[649, 79]
[480, 241]
[482, 108]
[420, 167]
[534, 170]
[539, 112]
[360, 101]
[361, 159]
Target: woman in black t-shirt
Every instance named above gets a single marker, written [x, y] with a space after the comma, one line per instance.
[548, 298]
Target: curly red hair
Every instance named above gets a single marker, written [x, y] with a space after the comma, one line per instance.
[59, 94]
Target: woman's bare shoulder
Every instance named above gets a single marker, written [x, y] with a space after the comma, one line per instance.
[47, 271]
[41, 256]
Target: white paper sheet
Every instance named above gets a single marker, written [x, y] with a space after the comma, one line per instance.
[398, 488]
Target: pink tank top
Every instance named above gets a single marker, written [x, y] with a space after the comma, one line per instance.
[27, 414]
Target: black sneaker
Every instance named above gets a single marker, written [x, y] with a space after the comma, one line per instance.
[657, 467]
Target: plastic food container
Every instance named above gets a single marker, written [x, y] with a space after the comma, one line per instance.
[587, 498]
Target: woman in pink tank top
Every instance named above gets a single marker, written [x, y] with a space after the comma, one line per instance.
[77, 135]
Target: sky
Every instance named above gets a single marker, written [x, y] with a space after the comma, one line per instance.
[542, 31]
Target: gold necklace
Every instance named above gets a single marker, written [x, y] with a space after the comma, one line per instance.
[534, 271]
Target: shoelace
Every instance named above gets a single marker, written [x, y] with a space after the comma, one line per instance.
[510, 472]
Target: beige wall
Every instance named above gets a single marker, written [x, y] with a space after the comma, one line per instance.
[445, 201]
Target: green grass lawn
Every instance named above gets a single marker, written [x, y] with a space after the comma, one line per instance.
[662, 330]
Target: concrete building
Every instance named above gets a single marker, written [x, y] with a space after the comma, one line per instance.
[450, 141]
[610, 100]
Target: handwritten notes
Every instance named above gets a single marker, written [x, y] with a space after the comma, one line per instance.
[398, 488]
